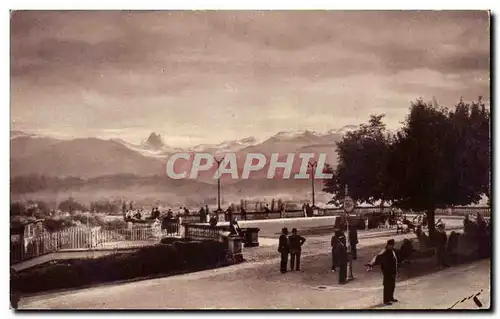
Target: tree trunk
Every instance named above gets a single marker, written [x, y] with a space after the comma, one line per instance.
[382, 206]
[431, 222]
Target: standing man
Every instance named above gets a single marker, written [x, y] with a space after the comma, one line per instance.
[334, 243]
[296, 242]
[203, 215]
[467, 224]
[353, 240]
[388, 263]
[283, 249]
[267, 211]
[310, 211]
[341, 258]
[441, 240]
[243, 213]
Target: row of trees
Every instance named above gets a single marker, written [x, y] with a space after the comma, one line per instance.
[40, 209]
[439, 158]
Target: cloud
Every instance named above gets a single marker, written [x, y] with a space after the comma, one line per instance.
[214, 75]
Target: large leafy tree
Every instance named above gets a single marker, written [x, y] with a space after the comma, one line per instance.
[362, 164]
[469, 153]
[70, 205]
[440, 158]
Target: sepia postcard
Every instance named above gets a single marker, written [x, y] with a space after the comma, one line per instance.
[250, 160]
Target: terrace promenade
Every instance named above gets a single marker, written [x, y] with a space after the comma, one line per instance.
[258, 284]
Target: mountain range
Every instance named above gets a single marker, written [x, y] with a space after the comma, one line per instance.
[92, 159]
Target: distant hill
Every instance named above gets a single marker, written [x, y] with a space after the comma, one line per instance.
[88, 157]
[155, 189]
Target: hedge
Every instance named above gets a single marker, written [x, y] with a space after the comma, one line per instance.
[163, 259]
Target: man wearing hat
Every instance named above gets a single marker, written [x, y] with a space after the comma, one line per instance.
[284, 249]
[295, 243]
[389, 263]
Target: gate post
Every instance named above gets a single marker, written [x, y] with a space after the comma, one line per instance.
[234, 249]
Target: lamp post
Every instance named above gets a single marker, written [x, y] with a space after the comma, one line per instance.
[218, 184]
[312, 165]
[348, 208]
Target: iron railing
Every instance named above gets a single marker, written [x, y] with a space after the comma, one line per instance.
[197, 231]
[77, 238]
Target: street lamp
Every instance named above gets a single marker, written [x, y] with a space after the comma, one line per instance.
[218, 183]
[312, 165]
[348, 208]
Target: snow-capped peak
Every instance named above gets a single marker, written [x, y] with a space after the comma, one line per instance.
[295, 134]
[20, 134]
[227, 146]
[343, 130]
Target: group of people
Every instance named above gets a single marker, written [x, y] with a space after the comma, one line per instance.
[212, 218]
[340, 250]
[139, 214]
[290, 245]
[308, 210]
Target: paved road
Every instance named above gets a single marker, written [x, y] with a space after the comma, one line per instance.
[315, 226]
[315, 229]
[259, 285]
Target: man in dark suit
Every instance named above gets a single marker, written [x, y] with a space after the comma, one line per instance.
[267, 211]
[389, 263]
[296, 241]
[441, 240]
[283, 249]
[341, 258]
[203, 215]
[334, 243]
[353, 240]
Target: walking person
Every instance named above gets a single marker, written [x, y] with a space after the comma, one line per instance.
[389, 263]
[341, 258]
[296, 242]
[283, 249]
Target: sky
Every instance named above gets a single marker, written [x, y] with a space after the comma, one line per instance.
[205, 77]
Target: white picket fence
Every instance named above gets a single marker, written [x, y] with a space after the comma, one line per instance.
[88, 238]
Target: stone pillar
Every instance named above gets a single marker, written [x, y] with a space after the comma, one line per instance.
[182, 229]
[234, 249]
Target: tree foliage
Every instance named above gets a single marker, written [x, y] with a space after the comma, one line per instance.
[440, 158]
[362, 164]
[70, 205]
